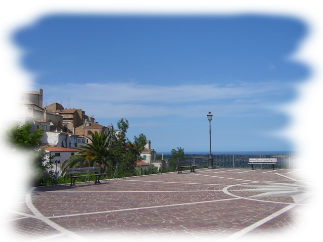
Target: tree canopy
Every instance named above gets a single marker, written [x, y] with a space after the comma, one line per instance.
[22, 148]
[177, 155]
[111, 150]
[17, 143]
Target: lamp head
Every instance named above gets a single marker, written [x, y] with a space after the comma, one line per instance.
[209, 116]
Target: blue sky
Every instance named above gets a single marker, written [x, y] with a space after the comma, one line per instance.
[165, 73]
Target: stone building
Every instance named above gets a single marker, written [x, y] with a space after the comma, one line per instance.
[54, 107]
[72, 118]
[148, 155]
[94, 128]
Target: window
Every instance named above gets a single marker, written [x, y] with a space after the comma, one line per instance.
[144, 157]
[72, 153]
[57, 154]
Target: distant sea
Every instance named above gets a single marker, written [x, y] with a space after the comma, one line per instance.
[234, 153]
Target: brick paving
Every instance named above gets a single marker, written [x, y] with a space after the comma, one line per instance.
[210, 202]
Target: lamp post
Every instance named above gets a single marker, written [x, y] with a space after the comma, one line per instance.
[210, 160]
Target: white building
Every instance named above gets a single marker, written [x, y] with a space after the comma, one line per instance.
[60, 154]
[148, 155]
[59, 139]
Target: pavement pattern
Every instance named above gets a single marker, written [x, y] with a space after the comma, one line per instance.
[224, 203]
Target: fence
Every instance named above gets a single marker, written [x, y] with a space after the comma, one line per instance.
[288, 161]
[291, 161]
[12, 175]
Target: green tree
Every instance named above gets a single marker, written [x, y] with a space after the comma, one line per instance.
[111, 150]
[158, 157]
[163, 167]
[177, 155]
[18, 145]
[94, 153]
[125, 153]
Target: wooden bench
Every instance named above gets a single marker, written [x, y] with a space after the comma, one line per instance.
[262, 161]
[185, 164]
[84, 172]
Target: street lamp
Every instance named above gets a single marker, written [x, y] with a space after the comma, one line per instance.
[210, 159]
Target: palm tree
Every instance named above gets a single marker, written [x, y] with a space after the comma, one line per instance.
[95, 153]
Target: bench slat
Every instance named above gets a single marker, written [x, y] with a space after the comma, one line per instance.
[262, 161]
[83, 170]
[185, 164]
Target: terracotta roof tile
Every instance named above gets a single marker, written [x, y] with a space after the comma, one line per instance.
[61, 149]
[141, 163]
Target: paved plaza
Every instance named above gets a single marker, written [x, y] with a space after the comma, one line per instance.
[222, 203]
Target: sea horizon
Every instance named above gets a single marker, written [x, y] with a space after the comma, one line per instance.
[234, 153]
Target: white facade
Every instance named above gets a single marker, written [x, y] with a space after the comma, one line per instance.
[60, 139]
[148, 155]
[59, 155]
[56, 139]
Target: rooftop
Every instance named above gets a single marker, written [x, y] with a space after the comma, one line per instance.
[61, 149]
[73, 110]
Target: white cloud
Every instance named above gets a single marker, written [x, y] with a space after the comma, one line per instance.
[112, 100]
[124, 92]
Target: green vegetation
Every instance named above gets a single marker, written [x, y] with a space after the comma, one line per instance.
[147, 171]
[158, 157]
[111, 150]
[177, 155]
[20, 150]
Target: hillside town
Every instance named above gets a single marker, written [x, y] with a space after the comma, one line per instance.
[66, 129]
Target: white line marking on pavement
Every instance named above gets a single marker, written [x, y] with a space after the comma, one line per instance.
[46, 220]
[141, 208]
[286, 177]
[295, 171]
[257, 224]
[133, 191]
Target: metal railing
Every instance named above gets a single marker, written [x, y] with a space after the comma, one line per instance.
[287, 161]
